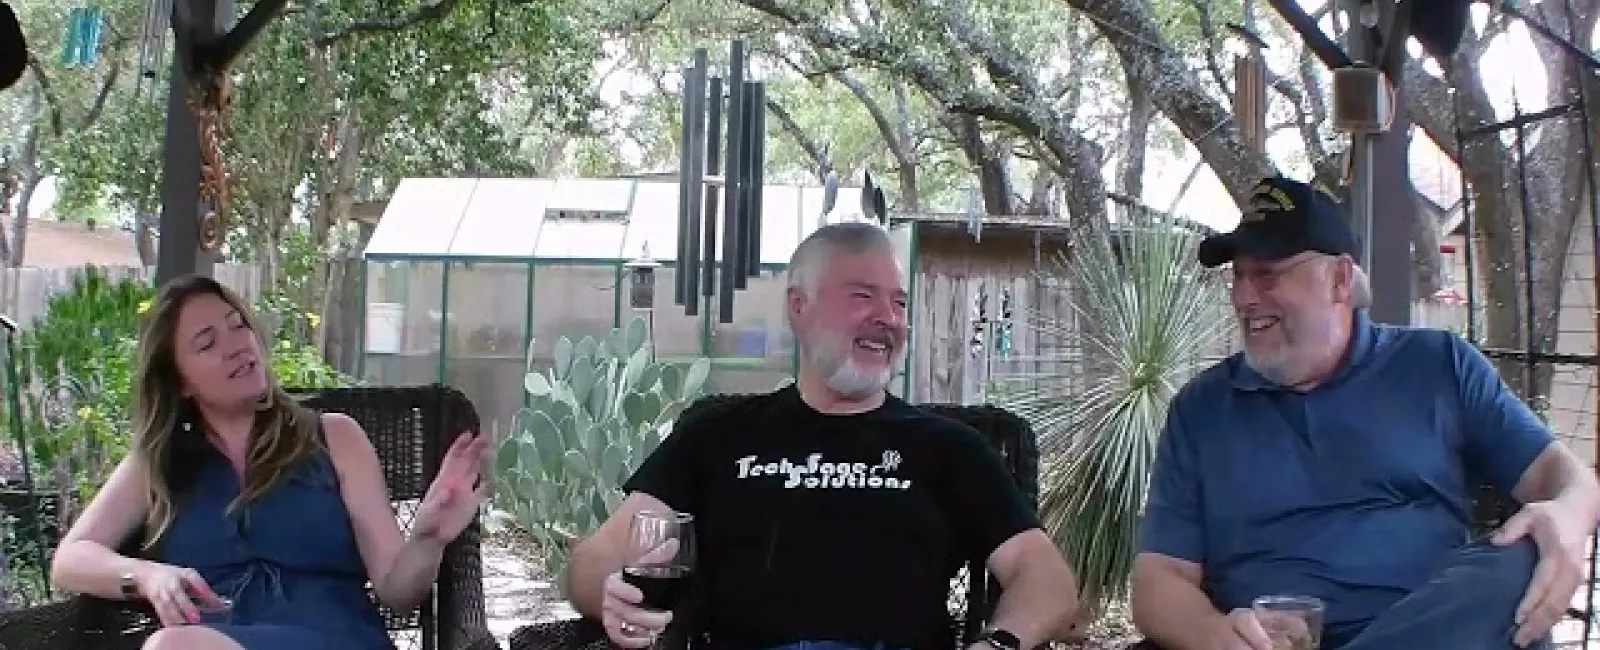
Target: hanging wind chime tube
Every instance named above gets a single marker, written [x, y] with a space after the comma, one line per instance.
[702, 274]
[152, 46]
[1250, 91]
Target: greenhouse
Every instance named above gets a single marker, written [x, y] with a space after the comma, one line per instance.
[464, 277]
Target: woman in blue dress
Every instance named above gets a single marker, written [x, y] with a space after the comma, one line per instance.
[257, 524]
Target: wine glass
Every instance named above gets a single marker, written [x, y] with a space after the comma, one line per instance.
[661, 548]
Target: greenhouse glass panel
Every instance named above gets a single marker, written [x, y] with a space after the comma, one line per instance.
[421, 217]
[572, 301]
[580, 240]
[486, 337]
[403, 318]
[502, 220]
[752, 354]
[676, 334]
[603, 195]
[780, 223]
[653, 222]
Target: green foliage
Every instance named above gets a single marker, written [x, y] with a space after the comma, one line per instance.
[302, 367]
[590, 420]
[1150, 317]
[78, 361]
[445, 95]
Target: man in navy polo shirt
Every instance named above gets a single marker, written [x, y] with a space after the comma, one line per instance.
[1335, 458]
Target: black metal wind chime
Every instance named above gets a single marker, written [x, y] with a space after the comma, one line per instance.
[700, 276]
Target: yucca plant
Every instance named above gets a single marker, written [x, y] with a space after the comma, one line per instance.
[1147, 317]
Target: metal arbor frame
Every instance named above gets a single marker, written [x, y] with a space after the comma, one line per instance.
[1529, 360]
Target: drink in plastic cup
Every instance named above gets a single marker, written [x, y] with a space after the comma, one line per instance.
[212, 615]
[1292, 622]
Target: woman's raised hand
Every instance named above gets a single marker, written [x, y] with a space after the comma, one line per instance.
[453, 498]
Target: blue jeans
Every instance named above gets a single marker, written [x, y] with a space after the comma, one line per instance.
[1468, 605]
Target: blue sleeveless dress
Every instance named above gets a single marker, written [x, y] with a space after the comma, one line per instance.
[288, 561]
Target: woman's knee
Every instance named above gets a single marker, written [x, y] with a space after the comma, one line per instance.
[192, 637]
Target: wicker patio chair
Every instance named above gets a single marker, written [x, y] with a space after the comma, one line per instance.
[971, 601]
[411, 428]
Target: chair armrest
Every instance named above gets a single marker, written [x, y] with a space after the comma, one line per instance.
[463, 621]
[78, 623]
[568, 634]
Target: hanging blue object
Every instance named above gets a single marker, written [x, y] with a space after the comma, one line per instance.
[82, 44]
[1003, 331]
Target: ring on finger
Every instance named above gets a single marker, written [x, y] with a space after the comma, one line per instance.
[630, 629]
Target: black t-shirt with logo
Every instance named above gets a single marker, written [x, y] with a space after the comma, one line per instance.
[818, 527]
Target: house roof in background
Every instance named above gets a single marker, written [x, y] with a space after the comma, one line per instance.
[56, 244]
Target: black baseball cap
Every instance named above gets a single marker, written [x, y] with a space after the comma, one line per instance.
[1285, 218]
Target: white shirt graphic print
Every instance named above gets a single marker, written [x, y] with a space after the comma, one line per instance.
[815, 471]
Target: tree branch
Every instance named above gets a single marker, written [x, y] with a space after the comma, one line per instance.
[813, 150]
[220, 54]
[47, 92]
[891, 135]
[1205, 122]
[426, 13]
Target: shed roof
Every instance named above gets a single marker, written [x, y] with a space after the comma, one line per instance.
[516, 219]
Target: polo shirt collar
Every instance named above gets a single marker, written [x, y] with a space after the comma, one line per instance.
[1363, 339]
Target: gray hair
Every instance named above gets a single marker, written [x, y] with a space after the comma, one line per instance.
[814, 252]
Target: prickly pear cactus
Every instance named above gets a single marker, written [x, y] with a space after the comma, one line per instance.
[590, 420]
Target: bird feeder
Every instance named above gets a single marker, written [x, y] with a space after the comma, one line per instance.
[642, 280]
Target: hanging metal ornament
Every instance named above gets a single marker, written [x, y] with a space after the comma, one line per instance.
[209, 100]
[210, 232]
[152, 46]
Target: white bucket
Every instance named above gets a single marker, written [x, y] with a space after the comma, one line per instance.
[385, 322]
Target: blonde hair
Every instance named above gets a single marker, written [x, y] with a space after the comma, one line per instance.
[284, 432]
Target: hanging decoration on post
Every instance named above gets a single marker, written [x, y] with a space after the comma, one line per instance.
[209, 100]
[702, 274]
[1002, 328]
[82, 44]
[974, 214]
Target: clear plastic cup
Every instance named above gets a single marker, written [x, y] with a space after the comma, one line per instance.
[1292, 622]
[213, 614]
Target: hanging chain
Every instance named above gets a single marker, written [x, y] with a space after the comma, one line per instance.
[209, 98]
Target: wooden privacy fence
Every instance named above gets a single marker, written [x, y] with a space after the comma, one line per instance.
[25, 292]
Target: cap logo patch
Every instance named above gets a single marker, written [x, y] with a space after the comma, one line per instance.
[1267, 198]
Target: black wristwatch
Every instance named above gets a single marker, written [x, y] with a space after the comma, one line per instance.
[1000, 639]
[130, 589]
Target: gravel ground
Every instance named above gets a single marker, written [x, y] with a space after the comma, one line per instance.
[516, 589]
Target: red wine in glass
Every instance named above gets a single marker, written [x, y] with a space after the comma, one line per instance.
[662, 557]
[663, 585]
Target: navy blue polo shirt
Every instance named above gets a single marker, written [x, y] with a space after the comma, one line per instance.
[1353, 492]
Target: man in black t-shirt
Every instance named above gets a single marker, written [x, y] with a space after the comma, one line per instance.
[829, 511]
